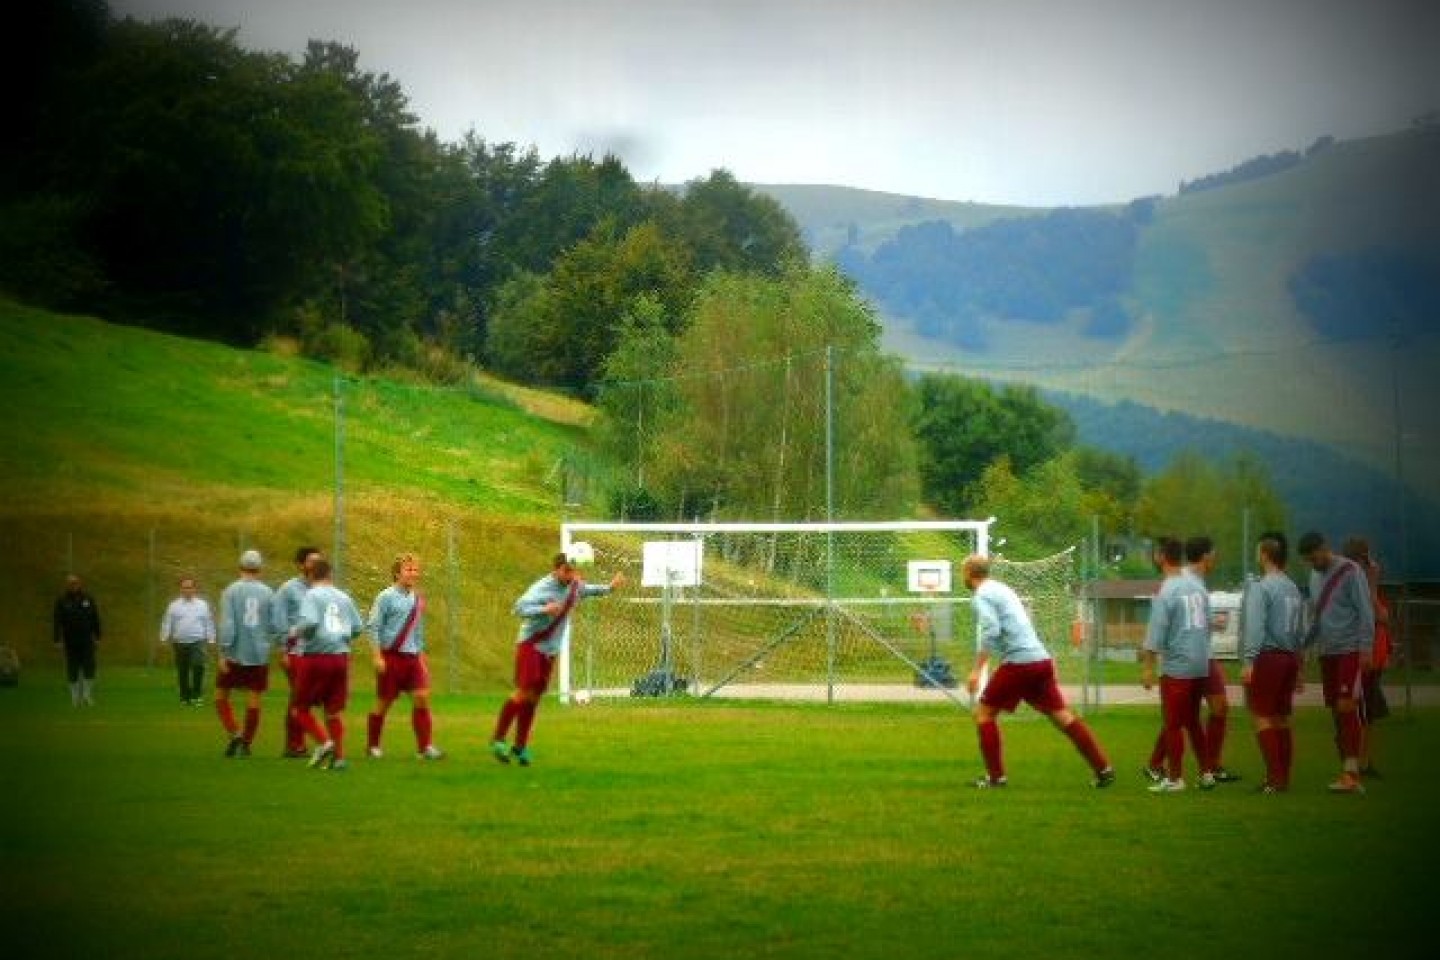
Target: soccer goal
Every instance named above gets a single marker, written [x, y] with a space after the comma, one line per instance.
[821, 611]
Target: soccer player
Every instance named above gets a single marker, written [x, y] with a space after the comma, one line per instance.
[1271, 639]
[1200, 561]
[188, 625]
[397, 627]
[1373, 705]
[543, 610]
[329, 621]
[77, 630]
[1343, 633]
[1025, 672]
[1178, 637]
[287, 615]
[247, 627]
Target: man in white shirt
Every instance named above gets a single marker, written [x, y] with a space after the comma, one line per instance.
[188, 626]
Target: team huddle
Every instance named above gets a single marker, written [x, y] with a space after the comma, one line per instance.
[1344, 622]
[315, 623]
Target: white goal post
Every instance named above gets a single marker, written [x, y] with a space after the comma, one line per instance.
[777, 609]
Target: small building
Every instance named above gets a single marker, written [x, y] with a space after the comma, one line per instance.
[1116, 613]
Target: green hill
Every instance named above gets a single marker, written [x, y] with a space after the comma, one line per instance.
[1216, 331]
[132, 456]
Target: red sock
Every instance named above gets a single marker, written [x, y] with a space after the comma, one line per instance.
[1157, 755]
[252, 723]
[336, 728]
[227, 716]
[307, 722]
[1175, 754]
[374, 724]
[1215, 738]
[420, 719]
[527, 721]
[1274, 760]
[990, 749]
[1198, 743]
[1287, 754]
[1349, 735]
[508, 711]
[294, 731]
[1084, 741]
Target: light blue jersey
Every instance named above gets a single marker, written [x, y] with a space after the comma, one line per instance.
[329, 620]
[1347, 624]
[1271, 617]
[388, 616]
[1005, 628]
[1179, 630]
[247, 622]
[535, 621]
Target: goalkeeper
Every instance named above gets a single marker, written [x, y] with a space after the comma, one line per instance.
[1026, 672]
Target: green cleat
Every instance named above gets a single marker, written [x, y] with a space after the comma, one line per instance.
[500, 750]
[521, 755]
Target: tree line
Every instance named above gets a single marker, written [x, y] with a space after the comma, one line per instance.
[168, 177]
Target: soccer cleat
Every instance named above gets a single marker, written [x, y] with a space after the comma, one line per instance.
[1104, 778]
[1225, 776]
[244, 750]
[340, 766]
[985, 783]
[431, 752]
[374, 753]
[1153, 774]
[323, 756]
[1348, 783]
[521, 755]
[500, 750]
[1166, 785]
[1207, 781]
[233, 747]
[1267, 788]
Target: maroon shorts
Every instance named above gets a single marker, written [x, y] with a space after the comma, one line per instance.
[1340, 676]
[1271, 692]
[1180, 699]
[404, 673]
[240, 676]
[323, 679]
[532, 668]
[1032, 682]
[1215, 682]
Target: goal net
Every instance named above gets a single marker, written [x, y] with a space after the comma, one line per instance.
[787, 610]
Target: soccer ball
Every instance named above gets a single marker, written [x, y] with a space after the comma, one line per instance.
[581, 697]
[580, 554]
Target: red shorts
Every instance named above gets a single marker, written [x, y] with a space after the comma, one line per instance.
[323, 679]
[1215, 683]
[404, 673]
[1180, 699]
[1271, 692]
[1032, 682]
[1340, 675]
[533, 668]
[240, 676]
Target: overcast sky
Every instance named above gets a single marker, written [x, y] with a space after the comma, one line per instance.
[1037, 102]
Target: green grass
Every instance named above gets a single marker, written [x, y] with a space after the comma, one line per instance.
[649, 830]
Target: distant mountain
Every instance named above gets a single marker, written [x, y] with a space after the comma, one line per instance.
[1294, 296]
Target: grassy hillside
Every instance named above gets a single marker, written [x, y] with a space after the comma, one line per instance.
[831, 217]
[1217, 334]
[132, 456]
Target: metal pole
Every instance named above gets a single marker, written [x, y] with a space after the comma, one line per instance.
[338, 553]
[452, 604]
[150, 601]
[829, 518]
[1398, 411]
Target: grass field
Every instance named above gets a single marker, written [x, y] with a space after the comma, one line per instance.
[652, 830]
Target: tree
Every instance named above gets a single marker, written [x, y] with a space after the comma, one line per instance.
[1038, 514]
[748, 435]
[965, 425]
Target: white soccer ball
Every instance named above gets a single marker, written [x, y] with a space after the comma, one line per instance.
[581, 697]
[580, 554]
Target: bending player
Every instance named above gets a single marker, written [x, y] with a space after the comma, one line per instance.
[1025, 672]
